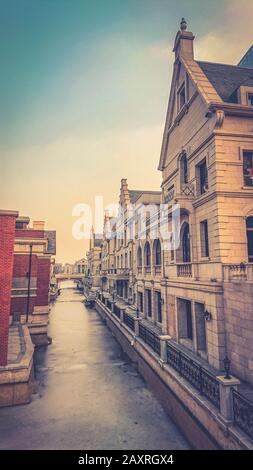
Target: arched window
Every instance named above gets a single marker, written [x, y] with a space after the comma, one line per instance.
[139, 257]
[249, 228]
[130, 259]
[186, 243]
[147, 254]
[184, 169]
[157, 252]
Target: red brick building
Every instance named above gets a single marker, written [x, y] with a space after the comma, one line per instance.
[7, 236]
[31, 276]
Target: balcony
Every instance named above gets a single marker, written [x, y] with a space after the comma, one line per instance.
[184, 270]
[119, 273]
[238, 272]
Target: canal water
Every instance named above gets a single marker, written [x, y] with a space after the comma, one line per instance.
[88, 394]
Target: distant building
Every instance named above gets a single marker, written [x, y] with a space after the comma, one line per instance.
[247, 60]
[58, 268]
[94, 260]
[68, 268]
[81, 266]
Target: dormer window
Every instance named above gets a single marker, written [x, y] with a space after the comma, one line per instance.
[181, 97]
[250, 99]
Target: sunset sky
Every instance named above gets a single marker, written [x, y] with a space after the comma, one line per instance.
[84, 89]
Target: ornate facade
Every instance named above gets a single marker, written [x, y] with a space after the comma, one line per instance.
[200, 291]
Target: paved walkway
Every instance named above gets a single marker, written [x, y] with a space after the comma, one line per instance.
[89, 395]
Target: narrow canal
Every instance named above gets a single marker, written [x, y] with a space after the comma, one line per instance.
[89, 396]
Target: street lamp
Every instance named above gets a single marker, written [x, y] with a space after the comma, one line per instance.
[207, 315]
[29, 283]
[227, 362]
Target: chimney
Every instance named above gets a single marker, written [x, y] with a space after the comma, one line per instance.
[38, 225]
[183, 46]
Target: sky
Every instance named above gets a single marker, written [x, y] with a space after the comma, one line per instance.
[84, 87]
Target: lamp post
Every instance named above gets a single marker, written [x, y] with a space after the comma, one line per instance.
[227, 362]
[29, 283]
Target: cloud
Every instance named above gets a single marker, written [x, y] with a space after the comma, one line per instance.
[46, 181]
[229, 41]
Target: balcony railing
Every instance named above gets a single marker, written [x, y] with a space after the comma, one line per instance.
[157, 269]
[150, 338]
[243, 412]
[128, 320]
[194, 373]
[147, 269]
[238, 272]
[184, 270]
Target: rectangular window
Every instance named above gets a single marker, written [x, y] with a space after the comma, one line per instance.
[189, 319]
[250, 99]
[202, 177]
[158, 301]
[184, 314]
[148, 303]
[172, 248]
[204, 239]
[248, 168]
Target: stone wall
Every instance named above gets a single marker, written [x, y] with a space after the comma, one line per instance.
[238, 303]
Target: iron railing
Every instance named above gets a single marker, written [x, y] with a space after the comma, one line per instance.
[200, 378]
[243, 413]
[109, 304]
[150, 338]
[184, 270]
[129, 321]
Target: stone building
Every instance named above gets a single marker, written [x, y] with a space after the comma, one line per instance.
[207, 167]
[81, 266]
[94, 260]
[119, 264]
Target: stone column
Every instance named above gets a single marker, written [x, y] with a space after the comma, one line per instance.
[163, 345]
[226, 405]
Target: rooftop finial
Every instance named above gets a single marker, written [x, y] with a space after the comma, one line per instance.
[183, 25]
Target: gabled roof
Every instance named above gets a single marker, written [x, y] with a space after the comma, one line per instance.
[134, 195]
[226, 79]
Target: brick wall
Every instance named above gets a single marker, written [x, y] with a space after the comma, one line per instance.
[7, 233]
[26, 233]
